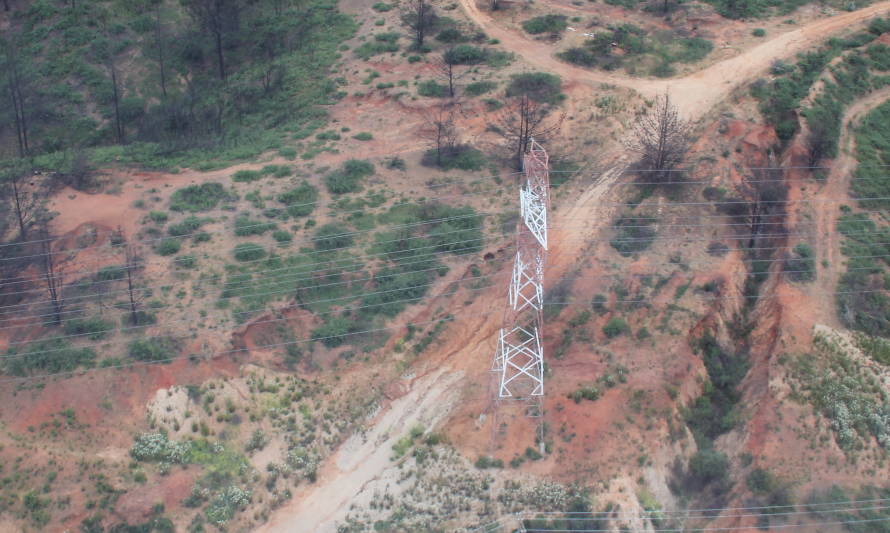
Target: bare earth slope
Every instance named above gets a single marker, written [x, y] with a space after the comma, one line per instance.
[319, 506]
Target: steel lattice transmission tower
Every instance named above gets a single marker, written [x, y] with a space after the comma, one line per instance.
[519, 358]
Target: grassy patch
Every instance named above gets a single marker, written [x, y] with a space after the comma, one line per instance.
[153, 349]
[348, 177]
[633, 234]
[553, 24]
[248, 251]
[480, 87]
[381, 43]
[299, 201]
[196, 198]
[47, 357]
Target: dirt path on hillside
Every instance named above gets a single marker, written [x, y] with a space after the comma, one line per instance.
[836, 188]
[696, 93]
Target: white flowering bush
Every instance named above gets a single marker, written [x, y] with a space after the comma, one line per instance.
[302, 460]
[225, 504]
[157, 447]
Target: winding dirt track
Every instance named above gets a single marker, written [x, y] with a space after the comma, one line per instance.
[836, 187]
[318, 507]
[698, 92]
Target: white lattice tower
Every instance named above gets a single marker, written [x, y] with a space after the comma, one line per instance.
[519, 359]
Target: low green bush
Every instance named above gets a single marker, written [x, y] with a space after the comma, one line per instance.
[168, 246]
[479, 88]
[539, 86]
[95, 328]
[332, 236]
[633, 234]
[246, 176]
[554, 24]
[299, 201]
[248, 251]
[335, 331]
[185, 261]
[198, 197]
[462, 156]
[382, 43]
[152, 349]
[244, 226]
[282, 236]
[616, 326]
[465, 54]
[158, 217]
[47, 357]
[111, 273]
[348, 177]
[801, 264]
[186, 226]
[432, 89]
[758, 32]
[363, 136]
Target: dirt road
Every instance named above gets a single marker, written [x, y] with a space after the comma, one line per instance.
[698, 92]
[836, 187]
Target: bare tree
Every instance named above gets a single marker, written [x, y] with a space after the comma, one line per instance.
[27, 205]
[447, 69]
[15, 80]
[132, 265]
[441, 131]
[159, 43]
[662, 139]
[420, 18]
[524, 119]
[51, 275]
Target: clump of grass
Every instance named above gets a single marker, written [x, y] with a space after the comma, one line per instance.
[480, 87]
[332, 236]
[382, 43]
[248, 251]
[461, 156]
[244, 226]
[168, 246]
[633, 234]
[186, 226]
[152, 349]
[363, 136]
[95, 328]
[47, 357]
[246, 176]
[299, 201]
[616, 326]
[196, 198]
[348, 177]
[432, 89]
[553, 24]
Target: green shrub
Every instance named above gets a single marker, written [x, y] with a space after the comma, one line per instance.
[348, 177]
[198, 197]
[539, 86]
[450, 36]
[546, 24]
[95, 328]
[246, 176]
[801, 265]
[707, 467]
[332, 236]
[186, 226]
[480, 87]
[760, 482]
[758, 32]
[381, 44]
[335, 331]
[363, 136]
[282, 236]
[465, 54]
[168, 246]
[248, 251]
[381, 7]
[300, 201]
[152, 349]
[616, 326]
[633, 234]
[244, 226]
[579, 56]
[431, 89]
[485, 461]
[111, 273]
[278, 171]
[585, 393]
[462, 156]
[158, 217]
[47, 357]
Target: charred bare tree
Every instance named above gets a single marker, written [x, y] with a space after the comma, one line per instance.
[52, 277]
[447, 69]
[131, 267]
[661, 138]
[26, 205]
[159, 43]
[14, 87]
[441, 131]
[420, 18]
[524, 119]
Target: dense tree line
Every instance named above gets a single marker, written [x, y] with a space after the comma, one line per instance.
[176, 72]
